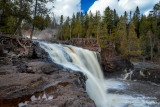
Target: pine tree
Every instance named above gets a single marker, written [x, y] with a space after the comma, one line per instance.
[115, 18]
[120, 38]
[86, 23]
[40, 10]
[136, 20]
[133, 47]
[66, 29]
[152, 42]
[97, 23]
[144, 44]
[103, 35]
[143, 28]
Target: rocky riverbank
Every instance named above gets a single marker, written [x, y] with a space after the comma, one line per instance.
[32, 80]
[29, 77]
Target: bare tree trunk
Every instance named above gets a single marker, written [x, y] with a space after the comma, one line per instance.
[151, 44]
[35, 13]
[18, 25]
[97, 33]
[70, 32]
[23, 46]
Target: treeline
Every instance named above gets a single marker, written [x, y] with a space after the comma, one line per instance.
[23, 14]
[132, 33]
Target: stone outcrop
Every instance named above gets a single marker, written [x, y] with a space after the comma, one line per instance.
[64, 88]
[146, 71]
[116, 66]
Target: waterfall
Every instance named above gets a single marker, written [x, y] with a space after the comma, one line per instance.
[82, 60]
[128, 75]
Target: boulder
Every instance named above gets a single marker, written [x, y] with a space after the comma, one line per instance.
[115, 66]
[41, 67]
[146, 71]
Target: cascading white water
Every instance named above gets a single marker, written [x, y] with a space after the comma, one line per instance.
[83, 60]
[86, 61]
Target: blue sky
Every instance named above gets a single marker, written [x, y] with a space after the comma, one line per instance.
[86, 4]
[68, 7]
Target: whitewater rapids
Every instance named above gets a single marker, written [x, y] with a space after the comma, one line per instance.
[85, 61]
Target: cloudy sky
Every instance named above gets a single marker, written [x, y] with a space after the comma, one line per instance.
[68, 7]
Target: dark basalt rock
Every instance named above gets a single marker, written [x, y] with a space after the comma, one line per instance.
[116, 66]
[36, 52]
[146, 72]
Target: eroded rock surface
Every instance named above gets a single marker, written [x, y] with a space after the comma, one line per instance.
[69, 87]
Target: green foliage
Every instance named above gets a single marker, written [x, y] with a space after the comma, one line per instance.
[133, 47]
[16, 14]
[144, 44]
[136, 20]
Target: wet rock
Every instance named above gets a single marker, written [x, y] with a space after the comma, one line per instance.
[36, 52]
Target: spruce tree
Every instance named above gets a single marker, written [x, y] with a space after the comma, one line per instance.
[136, 20]
[133, 47]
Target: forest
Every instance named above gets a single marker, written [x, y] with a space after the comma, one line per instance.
[134, 34]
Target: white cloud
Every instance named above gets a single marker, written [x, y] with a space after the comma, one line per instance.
[123, 5]
[66, 7]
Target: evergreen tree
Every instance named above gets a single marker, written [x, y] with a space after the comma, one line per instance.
[103, 35]
[61, 25]
[97, 25]
[133, 47]
[40, 10]
[143, 28]
[108, 18]
[66, 29]
[120, 38]
[86, 23]
[136, 20]
[115, 18]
